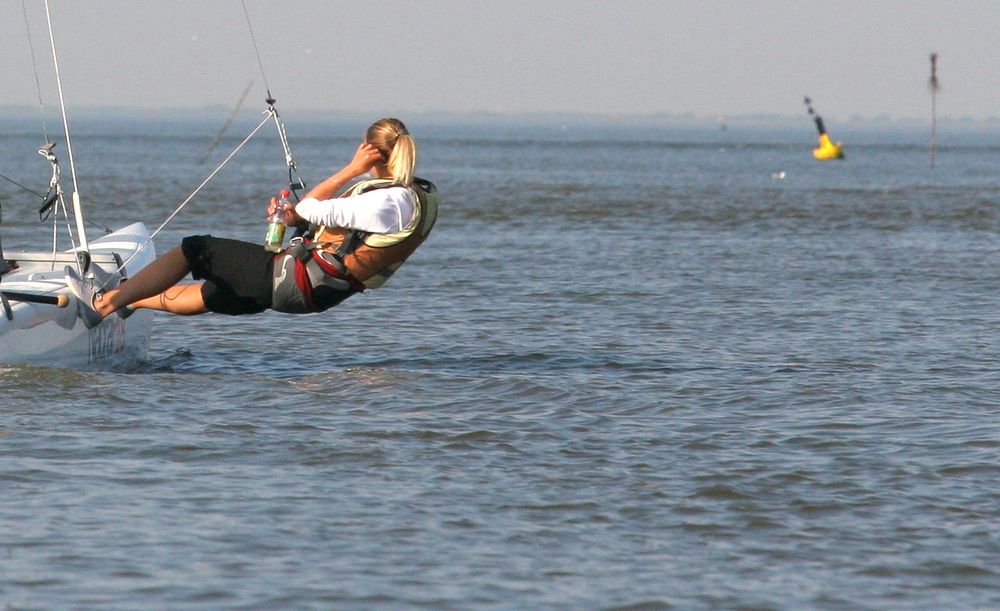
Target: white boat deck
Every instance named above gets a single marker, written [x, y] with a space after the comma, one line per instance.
[43, 334]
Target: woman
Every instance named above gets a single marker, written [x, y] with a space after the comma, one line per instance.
[360, 239]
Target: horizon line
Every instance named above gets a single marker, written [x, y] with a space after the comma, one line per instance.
[26, 111]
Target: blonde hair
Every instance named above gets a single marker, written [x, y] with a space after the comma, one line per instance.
[396, 144]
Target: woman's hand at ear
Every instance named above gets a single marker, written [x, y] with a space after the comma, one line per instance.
[365, 158]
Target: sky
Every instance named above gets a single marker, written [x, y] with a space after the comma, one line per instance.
[854, 58]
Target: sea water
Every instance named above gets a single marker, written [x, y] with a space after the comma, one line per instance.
[633, 367]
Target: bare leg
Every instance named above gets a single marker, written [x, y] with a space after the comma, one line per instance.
[182, 299]
[154, 287]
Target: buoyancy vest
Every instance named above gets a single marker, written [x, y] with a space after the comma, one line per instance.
[373, 257]
[314, 275]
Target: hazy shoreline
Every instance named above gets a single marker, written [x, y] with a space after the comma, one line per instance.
[220, 113]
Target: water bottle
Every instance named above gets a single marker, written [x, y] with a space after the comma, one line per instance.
[276, 229]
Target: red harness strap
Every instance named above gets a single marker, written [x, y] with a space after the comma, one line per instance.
[305, 285]
[334, 271]
[302, 280]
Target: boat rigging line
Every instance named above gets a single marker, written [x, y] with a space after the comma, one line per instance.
[295, 182]
[225, 126]
[260, 62]
[34, 65]
[190, 197]
[26, 189]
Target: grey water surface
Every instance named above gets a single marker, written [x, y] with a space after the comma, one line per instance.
[633, 368]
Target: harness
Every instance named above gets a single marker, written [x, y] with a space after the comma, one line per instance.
[307, 278]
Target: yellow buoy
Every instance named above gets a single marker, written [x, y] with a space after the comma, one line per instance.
[828, 149]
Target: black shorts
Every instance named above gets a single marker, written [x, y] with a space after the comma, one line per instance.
[237, 274]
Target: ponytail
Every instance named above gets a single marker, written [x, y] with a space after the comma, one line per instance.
[397, 146]
[403, 159]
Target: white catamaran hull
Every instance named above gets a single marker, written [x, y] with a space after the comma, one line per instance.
[43, 334]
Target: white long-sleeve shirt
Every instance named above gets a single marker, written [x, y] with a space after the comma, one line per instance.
[377, 211]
